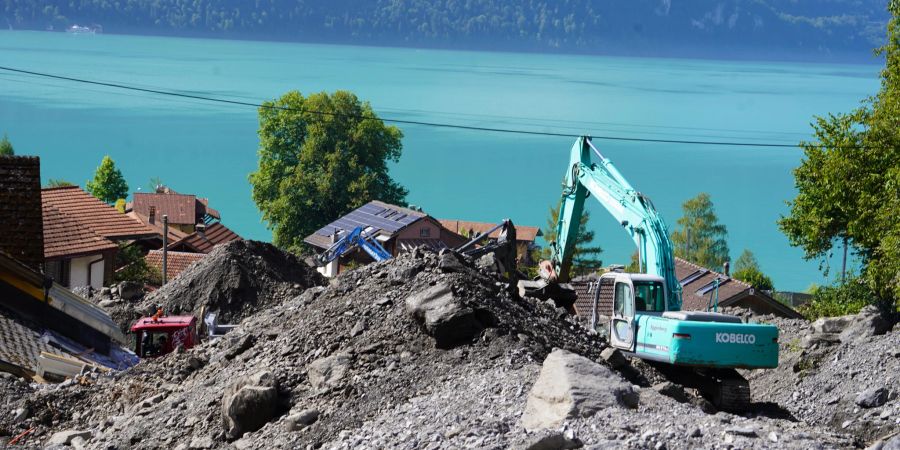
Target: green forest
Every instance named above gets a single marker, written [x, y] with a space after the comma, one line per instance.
[809, 28]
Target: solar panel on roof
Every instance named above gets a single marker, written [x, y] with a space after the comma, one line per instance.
[369, 215]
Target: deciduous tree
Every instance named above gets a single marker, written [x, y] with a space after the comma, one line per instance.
[319, 158]
[707, 245]
[848, 184]
[746, 269]
[108, 184]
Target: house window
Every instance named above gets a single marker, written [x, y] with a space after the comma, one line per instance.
[424, 232]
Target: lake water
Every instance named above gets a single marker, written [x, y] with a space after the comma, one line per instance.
[209, 149]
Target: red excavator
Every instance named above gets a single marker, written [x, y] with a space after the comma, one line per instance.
[160, 334]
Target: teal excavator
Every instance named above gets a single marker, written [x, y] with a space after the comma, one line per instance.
[640, 313]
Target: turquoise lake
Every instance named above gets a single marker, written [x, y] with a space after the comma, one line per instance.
[208, 149]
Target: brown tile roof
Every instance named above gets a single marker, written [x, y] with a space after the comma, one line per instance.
[176, 262]
[697, 282]
[204, 241]
[523, 233]
[181, 208]
[175, 234]
[64, 236]
[20, 205]
[94, 214]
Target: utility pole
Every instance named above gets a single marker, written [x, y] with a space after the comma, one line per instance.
[844, 264]
[165, 247]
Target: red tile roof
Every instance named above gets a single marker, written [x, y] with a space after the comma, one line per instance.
[175, 234]
[93, 214]
[523, 233]
[64, 236]
[176, 262]
[181, 208]
[204, 241]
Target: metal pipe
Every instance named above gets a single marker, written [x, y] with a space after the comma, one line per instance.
[481, 237]
[165, 247]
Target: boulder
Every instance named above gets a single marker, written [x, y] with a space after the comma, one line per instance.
[328, 371]
[66, 437]
[614, 357]
[672, 390]
[240, 345]
[869, 322]
[831, 325]
[489, 263]
[445, 318]
[451, 262]
[249, 403]
[872, 398]
[130, 290]
[570, 386]
[303, 419]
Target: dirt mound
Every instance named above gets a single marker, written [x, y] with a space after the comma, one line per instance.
[235, 280]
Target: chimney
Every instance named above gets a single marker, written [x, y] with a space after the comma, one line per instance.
[152, 215]
[726, 266]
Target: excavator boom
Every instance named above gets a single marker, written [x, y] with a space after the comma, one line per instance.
[634, 211]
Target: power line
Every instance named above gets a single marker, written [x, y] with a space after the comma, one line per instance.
[395, 121]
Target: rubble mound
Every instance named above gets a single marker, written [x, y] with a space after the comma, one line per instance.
[421, 351]
[235, 280]
[842, 373]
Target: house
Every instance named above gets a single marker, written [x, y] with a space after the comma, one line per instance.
[82, 234]
[194, 227]
[184, 211]
[698, 286]
[44, 326]
[698, 293]
[396, 228]
[525, 236]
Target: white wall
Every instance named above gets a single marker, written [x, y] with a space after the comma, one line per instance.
[79, 272]
[330, 270]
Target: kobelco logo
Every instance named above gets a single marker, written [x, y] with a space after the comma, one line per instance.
[735, 338]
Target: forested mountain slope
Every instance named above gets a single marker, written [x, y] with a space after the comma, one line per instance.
[803, 28]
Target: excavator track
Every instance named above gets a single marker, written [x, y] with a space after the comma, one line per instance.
[726, 389]
[729, 391]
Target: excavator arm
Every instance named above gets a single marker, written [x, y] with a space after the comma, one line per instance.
[634, 211]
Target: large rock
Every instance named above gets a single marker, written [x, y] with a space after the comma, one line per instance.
[869, 322]
[872, 398]
[831, 325]
[328, 371]
[445, 318]
[572, 386]
[129, 290]
[249, 403]
[66, 437]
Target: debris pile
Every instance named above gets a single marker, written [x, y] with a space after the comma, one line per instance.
[425, 350]
[839, 372]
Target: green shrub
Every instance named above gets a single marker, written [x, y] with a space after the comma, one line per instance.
[131, 266]
[838, 299]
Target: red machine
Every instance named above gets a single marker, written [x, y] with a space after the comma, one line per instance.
[158, 335]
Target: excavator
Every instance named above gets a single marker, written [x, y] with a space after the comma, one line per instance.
[640, 313]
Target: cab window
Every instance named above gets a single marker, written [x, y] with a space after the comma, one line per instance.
[649, 296]
[622, 302]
